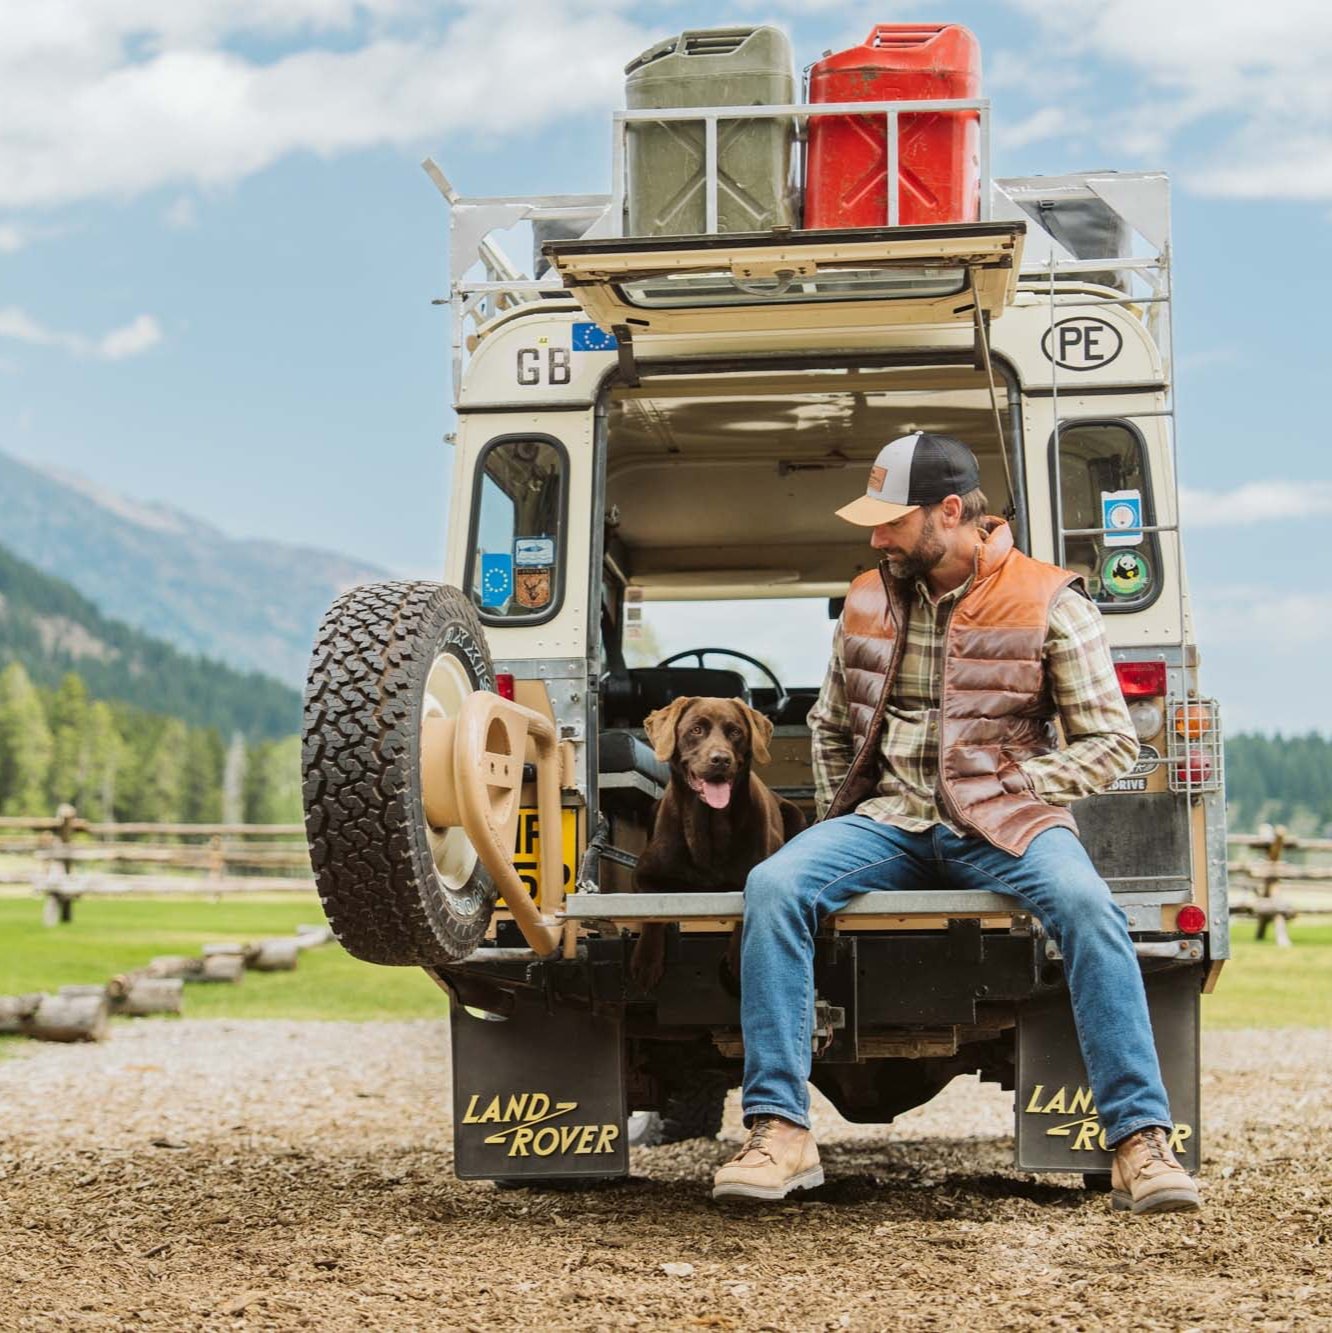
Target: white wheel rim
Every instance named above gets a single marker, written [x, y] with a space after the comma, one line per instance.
[451, 850]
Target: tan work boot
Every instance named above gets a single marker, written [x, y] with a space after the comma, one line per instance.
[1147, 1178]
[777, 1157]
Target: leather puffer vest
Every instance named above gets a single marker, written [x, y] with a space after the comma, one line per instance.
[995, 707]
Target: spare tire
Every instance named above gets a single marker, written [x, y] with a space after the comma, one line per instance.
[394, 889]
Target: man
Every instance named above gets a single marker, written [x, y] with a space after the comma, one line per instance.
[936, 766]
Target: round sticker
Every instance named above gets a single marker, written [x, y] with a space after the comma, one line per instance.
[1125, 573]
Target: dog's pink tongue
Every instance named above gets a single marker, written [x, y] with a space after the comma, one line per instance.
[717, 794]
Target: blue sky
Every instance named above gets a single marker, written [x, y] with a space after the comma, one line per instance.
[217, 250]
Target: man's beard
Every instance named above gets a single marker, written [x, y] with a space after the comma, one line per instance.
[923, 557]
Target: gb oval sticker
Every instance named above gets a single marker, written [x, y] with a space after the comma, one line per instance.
[1082, 343]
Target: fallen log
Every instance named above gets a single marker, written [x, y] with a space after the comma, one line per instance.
[174, 965]
[69, 1018]
[214, 950]
[220, 967]
[15, 1010]
[136, 994]
[276, 955]
[311, 937]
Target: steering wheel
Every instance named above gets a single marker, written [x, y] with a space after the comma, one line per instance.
[773, 710]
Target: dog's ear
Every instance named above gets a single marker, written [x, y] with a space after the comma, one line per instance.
[760, 732]
[660, 726]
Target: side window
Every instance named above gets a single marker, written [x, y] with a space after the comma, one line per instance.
[1104, 502]
[519, 500]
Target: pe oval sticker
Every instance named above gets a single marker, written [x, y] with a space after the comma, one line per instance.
[1082, 343]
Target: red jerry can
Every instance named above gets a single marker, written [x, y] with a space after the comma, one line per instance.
[938, 163]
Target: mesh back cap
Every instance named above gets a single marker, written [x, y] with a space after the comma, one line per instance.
[914, 470]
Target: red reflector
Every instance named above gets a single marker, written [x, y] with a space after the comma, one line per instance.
[504, 685]
[1194, 769]
[1141, 680]
[1191, 919]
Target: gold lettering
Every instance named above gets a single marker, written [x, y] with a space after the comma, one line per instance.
[545, 1141]
[585, 1139]
[1086, 1139]
[609, 1133]
[567, 1135]
[1056, 1103]
[1081, 1103]
[539, 1107]
[492, 1112]
[1178, 1135]
[470, 1116]
[516, 1106]
[518, 1144]
[1034, 1106]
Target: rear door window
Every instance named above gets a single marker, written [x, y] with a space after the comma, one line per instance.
[1103, 503]
[515, 572]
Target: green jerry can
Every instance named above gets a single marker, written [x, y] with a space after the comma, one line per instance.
[667, 167]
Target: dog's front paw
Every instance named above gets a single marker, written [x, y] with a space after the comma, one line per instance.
[647, 964]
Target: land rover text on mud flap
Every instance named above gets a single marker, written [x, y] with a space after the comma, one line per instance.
[668, 419]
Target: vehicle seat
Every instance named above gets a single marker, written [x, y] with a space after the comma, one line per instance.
[624, 752]
[628, 697]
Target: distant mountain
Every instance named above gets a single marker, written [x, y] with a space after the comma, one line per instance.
[52, 629]
[252, 604]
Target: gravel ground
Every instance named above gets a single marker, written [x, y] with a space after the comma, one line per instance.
[273, 1175]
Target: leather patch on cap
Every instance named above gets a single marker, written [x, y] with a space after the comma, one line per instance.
[878, 475]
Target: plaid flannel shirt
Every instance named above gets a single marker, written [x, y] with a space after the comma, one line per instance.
[1100, 743]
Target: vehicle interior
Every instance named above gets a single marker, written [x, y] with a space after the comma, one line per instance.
[722, 488]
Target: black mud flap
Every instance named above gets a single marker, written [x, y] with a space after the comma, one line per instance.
[1057, 1125]
[538, 1095]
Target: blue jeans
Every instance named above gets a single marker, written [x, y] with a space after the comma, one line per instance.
[822, 869]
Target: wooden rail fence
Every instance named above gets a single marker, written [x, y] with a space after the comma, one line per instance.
[69, 857]
[1272, 889]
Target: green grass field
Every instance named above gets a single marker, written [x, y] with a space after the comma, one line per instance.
[1262, 986]
[107, 937]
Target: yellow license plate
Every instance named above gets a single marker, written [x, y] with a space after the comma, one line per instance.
[529, 840]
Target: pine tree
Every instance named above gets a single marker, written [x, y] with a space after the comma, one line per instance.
[107, 756]
[161, 788]
[201, 794]
[273, 782]
[25, 745]
[69, 733]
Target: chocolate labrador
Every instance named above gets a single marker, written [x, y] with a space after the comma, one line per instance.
[716, 821]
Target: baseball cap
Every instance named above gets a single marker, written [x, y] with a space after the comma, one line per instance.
[915, 470]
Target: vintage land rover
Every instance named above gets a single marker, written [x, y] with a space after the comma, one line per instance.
[669, 420]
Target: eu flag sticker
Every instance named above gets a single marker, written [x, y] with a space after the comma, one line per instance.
[496, 578]
[592, 338]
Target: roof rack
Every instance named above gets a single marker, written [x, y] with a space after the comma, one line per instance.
[1100, 229]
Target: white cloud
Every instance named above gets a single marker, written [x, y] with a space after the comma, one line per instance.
[119, 99]
[1258, 71]
[1049, 122]
[1264, 653]
[181, 214]
[1255, 502]
[130, 340]
[12, 238]
[135, 337]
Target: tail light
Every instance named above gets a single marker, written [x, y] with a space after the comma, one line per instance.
[1195, 719]
[1141, 680]
[1191, 919]
[1193, 737]
[504, 685]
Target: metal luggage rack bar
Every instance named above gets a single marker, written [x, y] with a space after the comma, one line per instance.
[1133, 205]
[801, 113]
